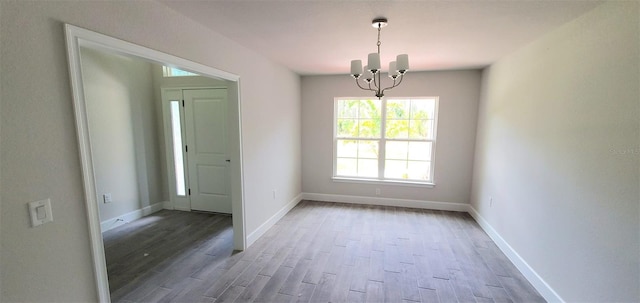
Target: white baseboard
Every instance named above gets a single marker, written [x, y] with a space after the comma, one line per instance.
[463, 207]
[256, 234]
[130, 216]
[538, 283]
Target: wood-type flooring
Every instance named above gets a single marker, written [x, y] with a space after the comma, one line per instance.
[318, 252]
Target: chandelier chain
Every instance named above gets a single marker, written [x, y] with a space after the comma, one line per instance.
[379, 29]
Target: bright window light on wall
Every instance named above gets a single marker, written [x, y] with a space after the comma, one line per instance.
[175, 72]
[178, 159]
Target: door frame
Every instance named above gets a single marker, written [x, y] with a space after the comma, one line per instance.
[176, 202]
[75, 38]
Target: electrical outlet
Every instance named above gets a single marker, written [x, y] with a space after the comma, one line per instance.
[106, 198]
[377, 191]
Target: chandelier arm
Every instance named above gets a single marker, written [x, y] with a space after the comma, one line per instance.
[390, 87]
[394, 83]
[401, 77]
[377, 84]
[364, 88]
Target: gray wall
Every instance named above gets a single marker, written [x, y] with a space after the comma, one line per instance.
[39, 157]
[558, 150]
[121, 112]
[458, 105]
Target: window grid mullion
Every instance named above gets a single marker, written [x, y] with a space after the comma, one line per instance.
[408, 140]
[383, 139]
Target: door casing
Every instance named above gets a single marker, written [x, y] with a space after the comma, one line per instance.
[76, 37]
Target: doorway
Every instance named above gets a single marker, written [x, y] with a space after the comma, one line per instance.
[76, 38]
[196, 124]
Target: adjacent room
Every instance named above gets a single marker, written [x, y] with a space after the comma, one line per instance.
[319, 151]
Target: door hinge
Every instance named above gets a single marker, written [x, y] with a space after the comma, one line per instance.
[189, 191]
[186, 148]
[182, 103]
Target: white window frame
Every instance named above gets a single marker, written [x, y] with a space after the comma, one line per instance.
[382, 146]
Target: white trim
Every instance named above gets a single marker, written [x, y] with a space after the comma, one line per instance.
[529, 273]
[256, 234]
[131, 216]
[72, 37]
[450, 206]
[383, 182]
[106, 43]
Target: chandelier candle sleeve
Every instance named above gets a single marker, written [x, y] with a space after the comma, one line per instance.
[356, 68]
[368, 74]
[402, 63]
[393, 72]
[374, 62]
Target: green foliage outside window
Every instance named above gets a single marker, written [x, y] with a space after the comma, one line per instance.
[408, 133]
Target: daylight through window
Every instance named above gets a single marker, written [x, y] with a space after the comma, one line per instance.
[386, 140]
[175, 72]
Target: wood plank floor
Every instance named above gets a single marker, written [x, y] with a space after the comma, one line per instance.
[319, 252]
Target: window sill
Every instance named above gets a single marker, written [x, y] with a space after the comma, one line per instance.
[385, 182]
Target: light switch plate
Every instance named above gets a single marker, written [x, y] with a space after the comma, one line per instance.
[40, 212]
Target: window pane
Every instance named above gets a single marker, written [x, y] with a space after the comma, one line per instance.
[347, 128]
[422, 108]
[420, 151]
[370, 109]
[348, 108]
[178, 160]
[175, 72]
[398, 109]
[368, 168]
[347, 148]
[419, 129]
[369, 129]
[368, 149]
[419, 170]
[347, 167]
[397, 129]
[397, 150]
[395, 169]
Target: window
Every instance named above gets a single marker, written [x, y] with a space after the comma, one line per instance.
[389, 140]
[174, 72]
[178, 159]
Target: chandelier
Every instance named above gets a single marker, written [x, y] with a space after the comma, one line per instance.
[373, 80]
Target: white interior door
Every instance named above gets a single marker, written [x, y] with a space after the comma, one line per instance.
[205, 112]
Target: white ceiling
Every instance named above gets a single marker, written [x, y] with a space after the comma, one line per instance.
[322, 37]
